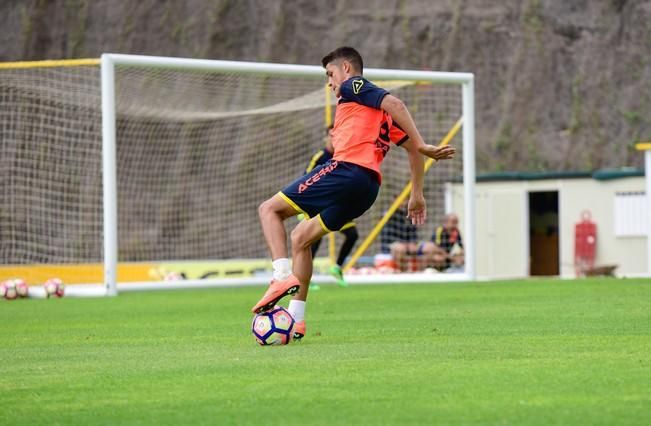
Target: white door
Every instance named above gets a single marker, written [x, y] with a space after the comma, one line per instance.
[502, 236]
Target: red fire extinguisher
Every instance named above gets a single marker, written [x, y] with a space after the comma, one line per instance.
[585, 244]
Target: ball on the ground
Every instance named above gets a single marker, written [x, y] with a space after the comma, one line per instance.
[274, 327]
[54, 288]
[8, 290]
[173, 276]
[21, 288]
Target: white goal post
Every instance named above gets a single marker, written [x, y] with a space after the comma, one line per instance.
[110, 117]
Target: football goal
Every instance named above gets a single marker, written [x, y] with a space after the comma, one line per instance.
[140, 172]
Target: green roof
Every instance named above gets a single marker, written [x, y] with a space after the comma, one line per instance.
[624, 172]
[602, 174]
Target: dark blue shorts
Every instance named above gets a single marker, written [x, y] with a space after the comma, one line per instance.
[336, 191]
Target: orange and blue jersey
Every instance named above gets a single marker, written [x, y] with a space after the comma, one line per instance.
[362, 132]
[342, 188]
[396, 134]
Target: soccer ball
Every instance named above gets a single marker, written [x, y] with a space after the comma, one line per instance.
[8, 290]
[21, 288]
[274, 327]
[54, 288]
[173, 276]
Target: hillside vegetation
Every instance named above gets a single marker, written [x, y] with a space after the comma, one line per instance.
[560, 85]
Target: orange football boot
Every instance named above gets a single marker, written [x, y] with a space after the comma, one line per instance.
[299, 330]
[276, 291]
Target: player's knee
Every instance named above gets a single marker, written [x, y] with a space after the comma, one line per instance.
[299, 239]
[352, 235]
[398, 249]
[263, 208]
[266, 209]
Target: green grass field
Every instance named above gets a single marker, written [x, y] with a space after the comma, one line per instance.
[519, 352]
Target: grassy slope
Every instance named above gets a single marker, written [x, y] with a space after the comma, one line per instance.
[526, 352]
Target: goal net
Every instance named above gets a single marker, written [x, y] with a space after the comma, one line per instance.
[163, 162]
[50, 168]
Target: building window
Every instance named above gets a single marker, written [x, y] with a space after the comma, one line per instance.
[631, 215]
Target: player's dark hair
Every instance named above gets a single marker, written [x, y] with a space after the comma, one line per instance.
[347, 53]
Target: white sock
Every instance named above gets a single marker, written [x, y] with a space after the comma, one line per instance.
[282, 269]
[297, 309]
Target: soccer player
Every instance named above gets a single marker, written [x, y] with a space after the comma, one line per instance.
[349, 230]
[446, 247]
[341, 190]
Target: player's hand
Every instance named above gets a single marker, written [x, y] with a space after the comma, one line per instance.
[416, 209]
[438, 152]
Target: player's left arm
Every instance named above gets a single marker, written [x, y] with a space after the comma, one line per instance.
[398, 110]
[416, 208]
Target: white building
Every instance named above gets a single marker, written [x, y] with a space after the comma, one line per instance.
[525, 222]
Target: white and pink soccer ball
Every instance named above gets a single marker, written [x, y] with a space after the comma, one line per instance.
[54, 288]
[274, 327]
[8, 289]
[21, 288]
[173, 276]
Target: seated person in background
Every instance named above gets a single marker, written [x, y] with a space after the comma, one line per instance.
[445, 250]
[400, 238]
